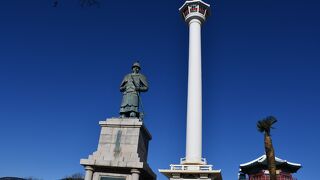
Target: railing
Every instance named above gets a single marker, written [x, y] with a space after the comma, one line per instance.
[183, 160]
[267, 178]
[277, 179]
[183, 167]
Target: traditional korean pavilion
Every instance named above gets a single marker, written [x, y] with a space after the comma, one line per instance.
[258, 169]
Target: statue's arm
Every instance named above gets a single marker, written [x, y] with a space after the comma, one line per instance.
[143, 84]
[123, 84]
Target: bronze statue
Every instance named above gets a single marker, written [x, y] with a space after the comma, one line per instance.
[131, 86]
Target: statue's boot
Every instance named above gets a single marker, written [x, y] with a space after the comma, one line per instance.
[133, 114]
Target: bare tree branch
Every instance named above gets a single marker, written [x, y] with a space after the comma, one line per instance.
[83, 3]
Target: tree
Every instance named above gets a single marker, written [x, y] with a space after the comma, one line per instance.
[76, 176]
[83, 3]
[265, 126]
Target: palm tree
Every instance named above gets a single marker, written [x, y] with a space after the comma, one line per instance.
[264, 126]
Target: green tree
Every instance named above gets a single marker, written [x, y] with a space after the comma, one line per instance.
[265, 126]
[76, 176]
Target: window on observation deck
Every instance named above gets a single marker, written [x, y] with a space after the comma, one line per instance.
[185, 12]
[202, 9]
[194, 8]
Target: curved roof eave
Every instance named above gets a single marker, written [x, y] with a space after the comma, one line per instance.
[263, 158]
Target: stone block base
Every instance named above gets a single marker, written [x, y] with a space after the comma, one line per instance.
[122, 152]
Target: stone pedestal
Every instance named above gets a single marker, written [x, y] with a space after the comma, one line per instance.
[122, 152]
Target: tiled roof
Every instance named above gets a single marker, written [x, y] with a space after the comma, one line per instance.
[261, 164]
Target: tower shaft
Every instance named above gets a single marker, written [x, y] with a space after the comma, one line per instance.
[194, 106]
[193, 166]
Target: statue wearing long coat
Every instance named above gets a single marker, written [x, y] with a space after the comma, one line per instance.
[131, 86]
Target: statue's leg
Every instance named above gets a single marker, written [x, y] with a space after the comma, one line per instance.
[133, 114]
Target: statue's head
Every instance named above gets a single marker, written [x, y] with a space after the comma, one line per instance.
[136, 67]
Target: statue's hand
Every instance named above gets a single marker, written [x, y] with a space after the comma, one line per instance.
[137, 89]
[143, 89]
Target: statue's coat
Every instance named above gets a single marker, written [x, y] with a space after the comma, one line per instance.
[131, 86]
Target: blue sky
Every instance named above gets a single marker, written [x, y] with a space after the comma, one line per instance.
[61, 69]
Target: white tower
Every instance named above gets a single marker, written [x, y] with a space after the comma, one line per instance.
[193, 166]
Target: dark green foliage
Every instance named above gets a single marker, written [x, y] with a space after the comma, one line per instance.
[76, 176]
[265, 124]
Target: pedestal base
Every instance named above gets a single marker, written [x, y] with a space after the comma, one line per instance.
[122, 152]
[183, 171]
